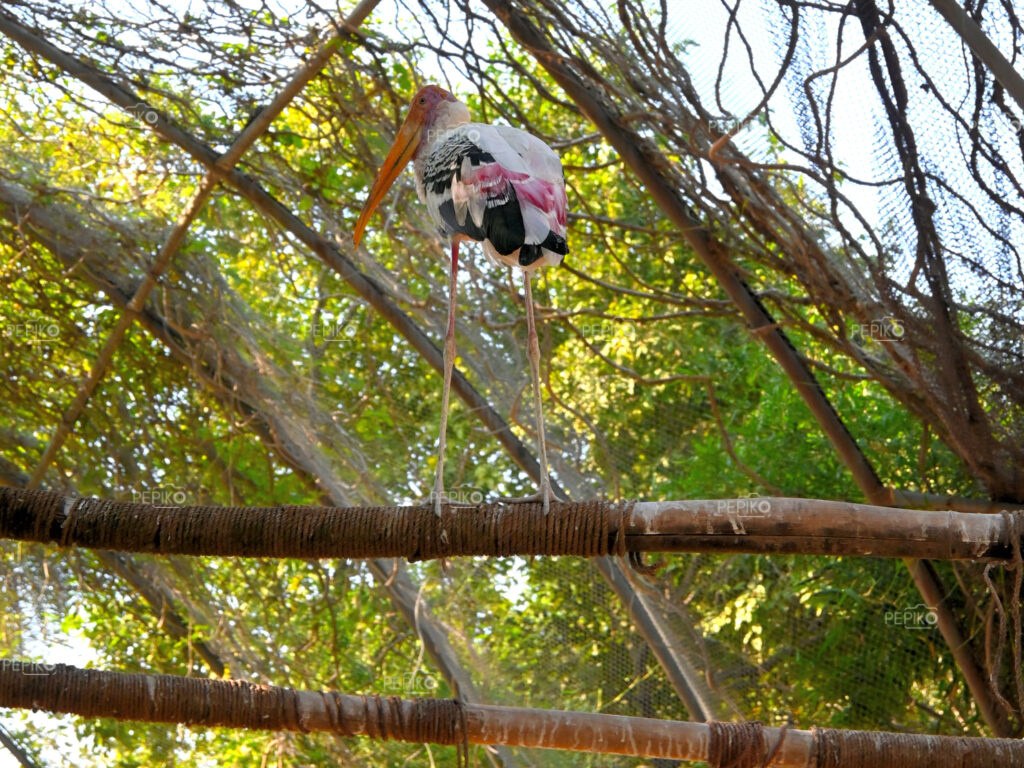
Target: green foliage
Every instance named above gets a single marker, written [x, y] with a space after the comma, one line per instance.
[653, 381]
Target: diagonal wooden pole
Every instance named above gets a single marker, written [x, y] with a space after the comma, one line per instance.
[8, 743]
[256, 127]
[982, 47]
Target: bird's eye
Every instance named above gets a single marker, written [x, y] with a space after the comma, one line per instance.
[423, 99]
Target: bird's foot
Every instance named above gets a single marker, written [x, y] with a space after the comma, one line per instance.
[442, 499]
[544, 495]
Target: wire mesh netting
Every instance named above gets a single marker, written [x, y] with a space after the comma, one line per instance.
[870, 195]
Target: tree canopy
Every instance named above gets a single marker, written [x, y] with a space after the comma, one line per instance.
[258, 371]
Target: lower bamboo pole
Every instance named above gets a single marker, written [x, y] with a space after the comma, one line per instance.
[62, 688]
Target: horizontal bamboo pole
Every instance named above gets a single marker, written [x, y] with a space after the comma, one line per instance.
[746, 525]
[199, 702]
[942, 501]
[813, 526]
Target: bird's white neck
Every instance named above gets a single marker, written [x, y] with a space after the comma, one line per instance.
[449, 115]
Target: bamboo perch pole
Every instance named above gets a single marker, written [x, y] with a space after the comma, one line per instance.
[173, 699]
[746, 525]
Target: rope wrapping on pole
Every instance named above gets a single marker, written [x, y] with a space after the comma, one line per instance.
[584, 529]
[587, 529]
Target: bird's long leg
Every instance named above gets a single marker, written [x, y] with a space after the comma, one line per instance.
[533, 353]
[449, 361]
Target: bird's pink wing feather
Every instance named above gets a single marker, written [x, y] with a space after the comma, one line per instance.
[531, 167]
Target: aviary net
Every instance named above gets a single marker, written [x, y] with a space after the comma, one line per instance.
[853, 164]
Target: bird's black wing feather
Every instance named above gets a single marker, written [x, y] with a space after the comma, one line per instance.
[502, 219]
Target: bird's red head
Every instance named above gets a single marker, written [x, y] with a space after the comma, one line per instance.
[423, 107]
[422, 113]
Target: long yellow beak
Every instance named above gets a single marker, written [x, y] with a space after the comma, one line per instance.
[408, 139]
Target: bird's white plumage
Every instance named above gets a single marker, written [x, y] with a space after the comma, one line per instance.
[540, 160]
[502, 159]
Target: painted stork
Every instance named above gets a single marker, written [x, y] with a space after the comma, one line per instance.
[485, 183]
